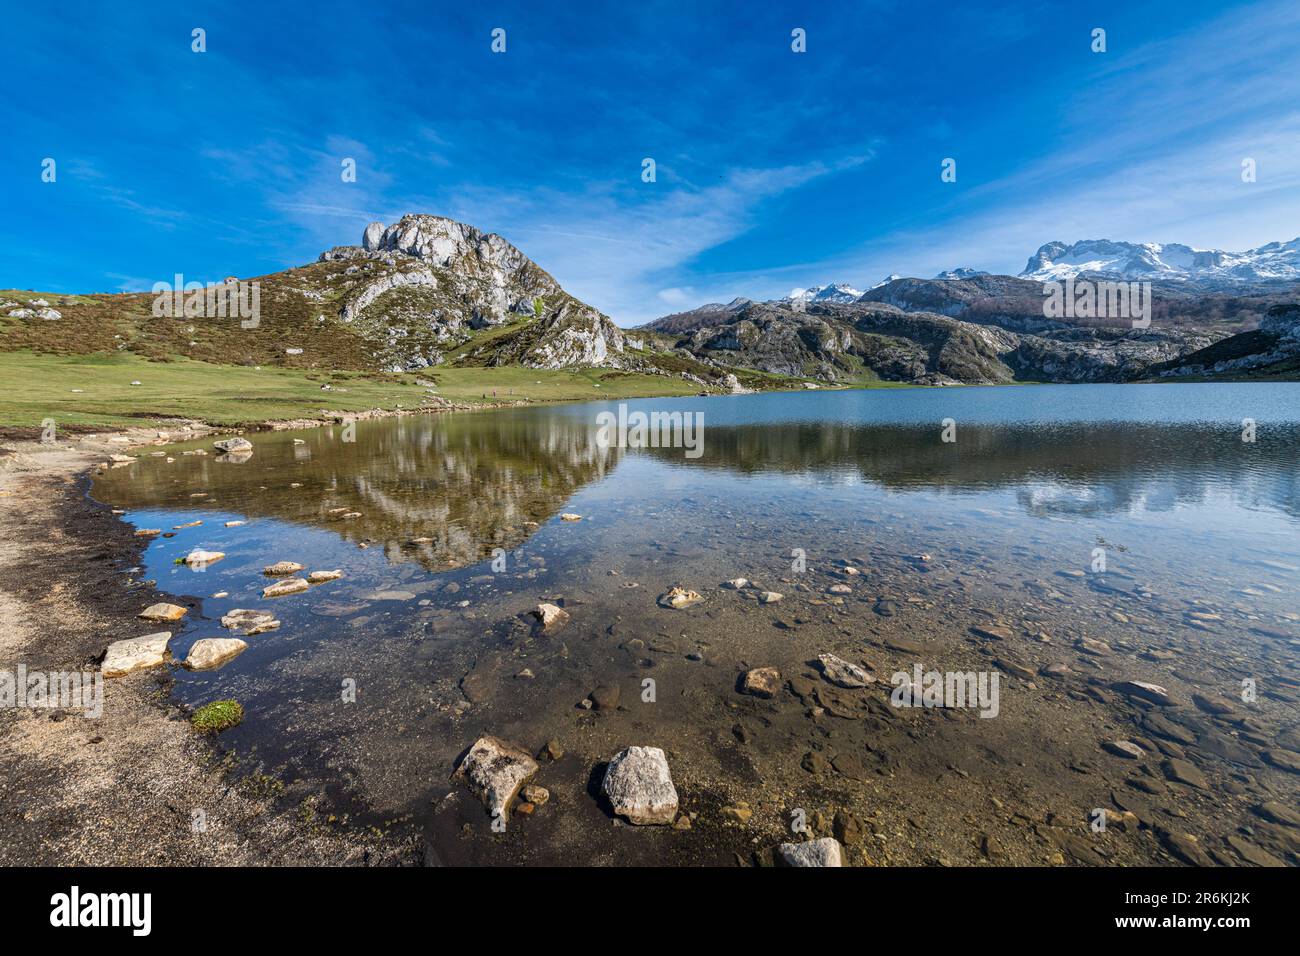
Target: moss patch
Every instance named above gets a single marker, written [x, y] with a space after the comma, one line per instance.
[217, 716]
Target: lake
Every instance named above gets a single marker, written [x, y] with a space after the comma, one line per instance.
[1070, 539]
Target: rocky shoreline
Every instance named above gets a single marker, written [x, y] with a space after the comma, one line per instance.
[136, 786]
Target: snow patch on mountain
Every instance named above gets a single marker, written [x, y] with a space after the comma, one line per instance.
[835, 292]
[961, 272]
[1169, 261]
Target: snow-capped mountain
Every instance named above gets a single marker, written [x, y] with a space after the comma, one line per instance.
[961, 273]
[837, 292]
[1169, 261]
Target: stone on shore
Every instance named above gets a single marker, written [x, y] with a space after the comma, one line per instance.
[163, 612]
[287, 586]
[639, 787]
[212, 652]
[282, 568]
[761, 682]
[736, 584]
[841, 672]
[551, 617]
[769, 597]
[136, 653]
[495, 770]
[249, 622]
[823, 852]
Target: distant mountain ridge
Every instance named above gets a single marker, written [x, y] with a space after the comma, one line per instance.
[428, 292]
[1168, 262]
[1213, 314]
[833, 292]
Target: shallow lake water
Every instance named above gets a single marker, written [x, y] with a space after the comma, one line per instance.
[1056, 516]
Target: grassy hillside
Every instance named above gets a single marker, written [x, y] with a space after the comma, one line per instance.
[78, 369]
[96, 391]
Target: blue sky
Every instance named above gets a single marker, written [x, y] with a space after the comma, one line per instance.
[774, 169]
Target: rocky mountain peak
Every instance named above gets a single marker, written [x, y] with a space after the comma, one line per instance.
[448, 244]
[425, 285]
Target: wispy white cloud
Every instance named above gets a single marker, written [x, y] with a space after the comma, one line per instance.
[1151, 152]
[619, 250]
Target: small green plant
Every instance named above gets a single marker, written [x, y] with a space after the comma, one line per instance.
[217, 716]
[539, 306]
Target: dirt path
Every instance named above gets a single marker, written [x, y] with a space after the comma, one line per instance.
[135, 786]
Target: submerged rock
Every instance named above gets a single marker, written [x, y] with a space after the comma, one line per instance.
[287, 586]
[1214, 704]
[1185, 772]
[1283, 760]
[163, 612]
[841, 672]
[213, 652]
[823, 852]
[123, 657]
[605, 697]
[538, 796]
[249, 622]
[551, 617]
[761, 682]
[1124, 748]
[679, 598]
[1185, 847]
[1141, 689]
[639, 787]
[495, 770]
[1092, 647]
